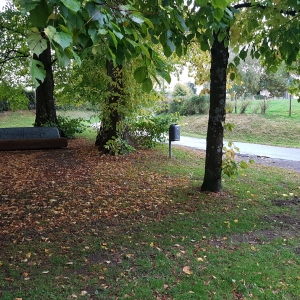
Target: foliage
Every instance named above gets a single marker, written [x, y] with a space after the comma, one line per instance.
[147, 131]
[190, 105]
[230, 166]
[14, 51]
[117, 31]
[117, 146]
[244, 105]
[276, 82]
[181, 90]
[67, 126]
[13, 98]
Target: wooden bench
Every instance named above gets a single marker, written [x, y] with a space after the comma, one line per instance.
[31, 138]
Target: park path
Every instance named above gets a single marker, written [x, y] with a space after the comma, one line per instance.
[292, 154]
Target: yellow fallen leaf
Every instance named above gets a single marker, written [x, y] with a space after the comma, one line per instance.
[187, 270]
[235, 221]
[28, 254]
[83, 293]
[200, 259]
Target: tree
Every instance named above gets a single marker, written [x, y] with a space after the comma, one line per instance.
[13, 58]
[121, 30]
[270, 30]
[181, 90]
[277, 83]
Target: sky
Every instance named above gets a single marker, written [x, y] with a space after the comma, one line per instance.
[2, 3]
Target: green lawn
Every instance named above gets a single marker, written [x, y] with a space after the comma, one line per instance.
[276, 127]
[151, 234]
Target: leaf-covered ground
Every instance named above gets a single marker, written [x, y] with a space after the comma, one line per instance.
[78, 224]
[49, 191]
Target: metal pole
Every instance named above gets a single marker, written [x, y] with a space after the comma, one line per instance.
[170, 149]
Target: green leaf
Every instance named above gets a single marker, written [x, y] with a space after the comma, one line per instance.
[113, 37]
[50, 32]
[137, 18]
[39, 15]
[72, 5]
[218, 14]
[140, 74]
[63, 39]
[220, 3]
[243, 165]
[147, 85]
[145, 50]
[37, 72]
[165, 75]
[37, 44]
[112, 56]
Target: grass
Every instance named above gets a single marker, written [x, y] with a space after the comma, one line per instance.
[242, 243]
[275, 128]
[238, 244]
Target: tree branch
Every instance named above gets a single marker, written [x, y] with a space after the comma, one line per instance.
[250, 4]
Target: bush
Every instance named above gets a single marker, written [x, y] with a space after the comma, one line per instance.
[259, 97]
[229, 106]
[190, 106]
[148, 131]
[68, 127]
[264, 105]
[4, 105]
[176, 105]
[244, 105]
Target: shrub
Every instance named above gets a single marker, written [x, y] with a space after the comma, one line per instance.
[244, 105]
[4, 105]
[176, 105]
[68, 127]
[146, 132]
[259, 97]
[264, 105]
[229, 106]
[201, 103]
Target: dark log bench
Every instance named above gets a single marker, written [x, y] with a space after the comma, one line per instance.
[31, 138]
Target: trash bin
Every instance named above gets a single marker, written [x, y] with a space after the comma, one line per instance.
[174, 132]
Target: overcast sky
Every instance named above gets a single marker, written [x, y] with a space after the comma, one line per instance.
[2, 3]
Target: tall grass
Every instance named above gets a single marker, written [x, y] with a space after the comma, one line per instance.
[275, 127]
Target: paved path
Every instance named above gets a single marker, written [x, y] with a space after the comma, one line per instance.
[246, 149]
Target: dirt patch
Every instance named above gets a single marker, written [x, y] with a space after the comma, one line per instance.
[287, 202]
[282, 225]
[272, 162]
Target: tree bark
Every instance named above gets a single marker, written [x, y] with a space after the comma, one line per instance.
[112, 115]
[215, 130]
[45, 104]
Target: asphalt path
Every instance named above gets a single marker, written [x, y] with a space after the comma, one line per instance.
[282, 153]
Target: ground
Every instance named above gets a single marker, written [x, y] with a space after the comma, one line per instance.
[66, 196]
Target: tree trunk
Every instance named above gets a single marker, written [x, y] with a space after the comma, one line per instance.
[45, 104]
[112, 115]
[215, 131]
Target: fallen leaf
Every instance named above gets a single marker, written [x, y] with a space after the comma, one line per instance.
[187, 270]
